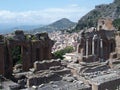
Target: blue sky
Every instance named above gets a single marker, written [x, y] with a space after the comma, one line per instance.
[44, 11]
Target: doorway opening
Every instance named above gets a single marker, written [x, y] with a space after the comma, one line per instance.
[17, 59]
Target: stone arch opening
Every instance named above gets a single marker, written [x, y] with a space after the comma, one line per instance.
[16, 55]
[19, 58]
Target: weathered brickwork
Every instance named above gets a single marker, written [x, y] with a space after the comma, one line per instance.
[35, 48]
[97, 45]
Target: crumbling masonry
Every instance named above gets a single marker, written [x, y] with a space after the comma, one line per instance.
[99, 44]
[33, 48]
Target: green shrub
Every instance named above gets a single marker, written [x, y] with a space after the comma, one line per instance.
[116, 24]
[16, 55]
[60, 53]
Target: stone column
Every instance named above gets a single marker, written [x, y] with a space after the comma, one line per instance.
[86, 47]
[78, 51]
[93, 47]
[94, 39]
[98, 43]
[101, 49]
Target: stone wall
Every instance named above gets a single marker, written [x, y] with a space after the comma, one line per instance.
[2, 58]
[37, 80]
[44, 65]
[97, 45]
[109, 85]
[32, 49]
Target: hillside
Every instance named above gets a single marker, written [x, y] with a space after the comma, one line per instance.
[58, 25]
[111, 10]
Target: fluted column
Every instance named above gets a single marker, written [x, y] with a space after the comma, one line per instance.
[94, 39]
[86, 47]
[78, 51]
[93, 47]
[98, 43]
[101, 48]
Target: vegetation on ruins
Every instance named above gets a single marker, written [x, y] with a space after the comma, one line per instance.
[10, 37]
[30, 37]
[60, 53]
[27, 37]
[16, 55]
[116, 24]
[33, 37]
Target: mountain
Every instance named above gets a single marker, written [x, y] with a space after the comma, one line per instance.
[61, 24]
[111, 10]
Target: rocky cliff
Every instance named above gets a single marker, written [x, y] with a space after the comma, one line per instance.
[111, 10]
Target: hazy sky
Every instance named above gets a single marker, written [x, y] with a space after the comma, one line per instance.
[45, 11]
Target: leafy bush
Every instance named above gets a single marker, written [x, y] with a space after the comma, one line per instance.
[60, 53]
[116, 24]
[16, 55]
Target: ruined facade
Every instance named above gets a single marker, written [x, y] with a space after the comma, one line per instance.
[32, 47]
[99, 45]
[105, 23]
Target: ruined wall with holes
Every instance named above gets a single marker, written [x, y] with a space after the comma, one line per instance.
[33, 48]
[97, 45]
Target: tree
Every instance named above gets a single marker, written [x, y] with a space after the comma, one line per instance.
[16, 55]
[116, 24]
[60, 53]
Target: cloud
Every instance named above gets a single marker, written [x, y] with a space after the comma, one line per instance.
[45, 16]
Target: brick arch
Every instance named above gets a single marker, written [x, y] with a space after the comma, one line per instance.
[25, 55]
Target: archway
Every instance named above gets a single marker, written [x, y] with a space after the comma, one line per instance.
[16, 58]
